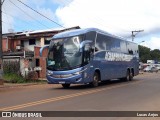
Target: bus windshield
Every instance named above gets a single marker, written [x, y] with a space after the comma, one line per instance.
[64, 54]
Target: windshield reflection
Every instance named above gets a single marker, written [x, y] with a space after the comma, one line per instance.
[64, 54]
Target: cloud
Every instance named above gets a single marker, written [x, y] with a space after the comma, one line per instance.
[62, 2]
[8, 13]
[118, 17]
[38, 2]
[153, 43]
[115, 16]
[12, 14]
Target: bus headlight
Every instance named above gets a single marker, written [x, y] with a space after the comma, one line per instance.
[77, 73]
[49, 73]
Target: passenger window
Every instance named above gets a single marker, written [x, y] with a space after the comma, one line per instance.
[91, 36]
[87, 53]
[105, 42]
[100, 42]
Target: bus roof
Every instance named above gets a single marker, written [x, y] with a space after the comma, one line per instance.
[83, 31]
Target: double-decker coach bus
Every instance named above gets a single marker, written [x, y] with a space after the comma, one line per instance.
[89, 56]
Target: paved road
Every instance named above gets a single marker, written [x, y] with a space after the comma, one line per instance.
[141, 94]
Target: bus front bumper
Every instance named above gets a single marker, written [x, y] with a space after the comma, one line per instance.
[76, 79]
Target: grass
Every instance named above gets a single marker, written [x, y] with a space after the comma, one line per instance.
[13, 78]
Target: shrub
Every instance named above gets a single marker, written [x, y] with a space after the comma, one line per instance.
[32, 76]
[11, 70]
[11, 67]
[13, 78]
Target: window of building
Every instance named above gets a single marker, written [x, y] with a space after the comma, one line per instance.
[32, 41]
[22, 43]
[46, 42]
[37, 63]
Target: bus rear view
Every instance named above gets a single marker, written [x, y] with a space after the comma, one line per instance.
[89, 56]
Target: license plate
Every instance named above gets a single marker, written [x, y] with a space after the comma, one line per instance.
[62, 82]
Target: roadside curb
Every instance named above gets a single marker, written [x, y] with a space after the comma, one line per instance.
[18, 85]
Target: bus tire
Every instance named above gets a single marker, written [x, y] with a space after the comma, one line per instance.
[127, 78]
[65, 85]
[96, 79]
[131, 75]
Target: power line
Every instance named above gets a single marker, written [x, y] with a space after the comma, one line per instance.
[8, 23]
[6, 16]
[28, 14]
[41, 14]
[20, 19]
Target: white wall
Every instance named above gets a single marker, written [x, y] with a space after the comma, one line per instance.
[31, 47]
[42, 42]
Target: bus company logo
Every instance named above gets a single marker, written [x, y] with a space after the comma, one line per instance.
[6, 114]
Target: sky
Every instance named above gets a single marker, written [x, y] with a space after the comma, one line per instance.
[118, 17]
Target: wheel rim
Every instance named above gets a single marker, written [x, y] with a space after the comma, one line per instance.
[128, 76]
[131, 75]
[95, 81]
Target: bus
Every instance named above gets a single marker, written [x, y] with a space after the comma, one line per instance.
[90, 56]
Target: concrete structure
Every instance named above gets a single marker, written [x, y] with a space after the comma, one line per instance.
[25, 46]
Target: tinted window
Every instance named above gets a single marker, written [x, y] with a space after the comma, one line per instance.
[90, 36]
[132, 48]
[124, 47]
[104, 42]
[113, 44]
[100, 42]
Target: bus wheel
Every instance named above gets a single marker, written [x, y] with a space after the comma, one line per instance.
[66, 85]
[131, 75]
[95, 80]
[127, 78]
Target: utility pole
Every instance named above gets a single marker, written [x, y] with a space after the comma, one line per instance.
[1, 71]
[1, 31]
[135, 32]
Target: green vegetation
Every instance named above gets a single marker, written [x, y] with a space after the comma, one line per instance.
[11, 67]
[146, 53]
[13, 78]
[11, 70]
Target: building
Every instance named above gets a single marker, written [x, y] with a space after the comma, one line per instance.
[24, 47]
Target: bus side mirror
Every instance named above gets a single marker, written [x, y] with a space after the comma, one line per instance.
[41, 50]
[84, 43]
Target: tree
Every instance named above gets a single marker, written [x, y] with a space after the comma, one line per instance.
[146, 53]
[155, 54]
